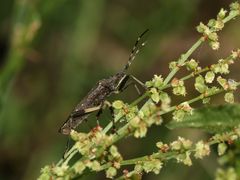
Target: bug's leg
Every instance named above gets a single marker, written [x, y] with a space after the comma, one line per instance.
[113, 119]
[98, 114]
[137, 89]
[138, 81]
[108, 104]
[126, 86]
[135, 86]
[66, 148]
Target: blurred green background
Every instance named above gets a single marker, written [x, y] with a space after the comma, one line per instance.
[53, 52]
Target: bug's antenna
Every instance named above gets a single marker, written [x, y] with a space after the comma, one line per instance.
[135, 50]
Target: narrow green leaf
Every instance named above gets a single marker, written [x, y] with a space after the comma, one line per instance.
[213, 119]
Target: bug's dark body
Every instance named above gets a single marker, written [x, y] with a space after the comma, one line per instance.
[95, 97]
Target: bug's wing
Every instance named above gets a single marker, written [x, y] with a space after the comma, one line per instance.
[82, 112]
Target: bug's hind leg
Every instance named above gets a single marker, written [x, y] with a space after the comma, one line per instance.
[100, 111]
[109, 105]
[114, 129]
[66, 148]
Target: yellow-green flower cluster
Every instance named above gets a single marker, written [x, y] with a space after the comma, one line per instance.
[151, 165]
[209, 30]
[88, 143]
[202, 149]
[182, 110]
[123, 109]
[145, 118]
[228, 174]
[192, 65]
[178, 87]
[115, 158]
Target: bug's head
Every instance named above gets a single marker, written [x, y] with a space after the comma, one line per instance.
[66, 128]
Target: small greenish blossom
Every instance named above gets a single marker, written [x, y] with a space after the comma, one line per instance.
[155, 95]
[141, 130]
[118, 104]
[45, 173]
[214, 45]
[202, 149]
[219, 25]
[172, 65]
[135, 121]
[228, 174]
[200, 84]
[181, 110]
[156, 82]
[159, 145]
[187, 161]
[213, 37]
[235, 54]
[79, 167]
[162, 146]
[186, 107]
[83, 147]
[221, 67]
[149, 84]
[222, 147]
[210, 91]
[185, 158]
[201, 28]
[181, 143]
[96, 166]
[178, 87]
[234, 6]
[138, 168]
[186, 143]
[232, 85]
[229, 97]
[223, 82]
[209, 77]
[222, 14]
[192, 64]
[158, 120]
[114, 152]
[111, 172]
[176, 145]
[178, 115]
[60, 170]
[154, 165]
[211, 23]
[206, 100]
[130, 115]
[166, 100]
[222, 137]
[77, 136]
[117, 164]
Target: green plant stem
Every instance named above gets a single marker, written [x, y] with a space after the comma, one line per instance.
[183, 58]
[125, 129]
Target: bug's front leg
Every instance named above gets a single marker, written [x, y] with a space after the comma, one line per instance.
[133, 81]
[138, 81]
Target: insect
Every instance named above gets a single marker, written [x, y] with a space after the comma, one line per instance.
[95, 100]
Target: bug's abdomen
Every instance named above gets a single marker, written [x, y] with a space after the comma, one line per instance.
[94, 98]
